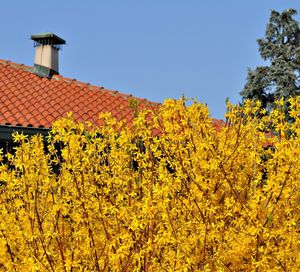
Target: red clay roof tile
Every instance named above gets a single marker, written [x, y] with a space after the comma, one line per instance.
[29, 100]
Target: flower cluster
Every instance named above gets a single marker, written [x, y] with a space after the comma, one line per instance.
[170, 193]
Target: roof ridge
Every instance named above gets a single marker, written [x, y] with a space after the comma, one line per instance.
[90, 86]
[16, 65]
[76, 81]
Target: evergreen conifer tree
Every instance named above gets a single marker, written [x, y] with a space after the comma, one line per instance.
[281, 48]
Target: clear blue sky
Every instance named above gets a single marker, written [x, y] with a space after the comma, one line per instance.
[153, 49]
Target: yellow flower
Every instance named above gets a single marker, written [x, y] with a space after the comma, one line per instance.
[185, 198]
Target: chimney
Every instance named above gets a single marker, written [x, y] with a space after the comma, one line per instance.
[46, 46]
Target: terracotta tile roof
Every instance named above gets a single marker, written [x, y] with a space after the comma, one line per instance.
[31, 101]
[27, 100]
[218, 124]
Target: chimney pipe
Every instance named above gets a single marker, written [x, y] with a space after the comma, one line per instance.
[46, 46]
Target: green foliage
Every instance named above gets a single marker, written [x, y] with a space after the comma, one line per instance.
[281, 48]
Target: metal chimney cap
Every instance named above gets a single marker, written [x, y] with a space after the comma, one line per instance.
[47, 38]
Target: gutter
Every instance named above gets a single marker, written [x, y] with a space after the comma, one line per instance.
[7, 131]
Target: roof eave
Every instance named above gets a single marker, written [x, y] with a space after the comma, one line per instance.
[6, 131]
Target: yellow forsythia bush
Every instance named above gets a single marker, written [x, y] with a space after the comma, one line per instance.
[170, 193]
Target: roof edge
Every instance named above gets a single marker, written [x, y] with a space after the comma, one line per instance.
[7, 131]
